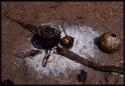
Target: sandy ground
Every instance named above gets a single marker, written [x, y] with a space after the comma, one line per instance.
[102, 16]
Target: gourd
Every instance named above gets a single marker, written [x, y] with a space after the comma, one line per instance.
[109, 42]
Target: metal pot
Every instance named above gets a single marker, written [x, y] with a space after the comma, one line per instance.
[46, 38]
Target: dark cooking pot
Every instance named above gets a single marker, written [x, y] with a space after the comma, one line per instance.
[46, 38]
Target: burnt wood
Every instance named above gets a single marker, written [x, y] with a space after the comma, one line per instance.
[96, 66]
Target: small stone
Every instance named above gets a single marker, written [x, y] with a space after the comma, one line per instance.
[82, 76]
[80, 17]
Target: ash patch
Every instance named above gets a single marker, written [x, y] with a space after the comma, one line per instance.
[59, 65]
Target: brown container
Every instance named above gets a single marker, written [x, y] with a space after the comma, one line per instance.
[109, 42]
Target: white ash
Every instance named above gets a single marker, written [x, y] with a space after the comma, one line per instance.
[83, 42]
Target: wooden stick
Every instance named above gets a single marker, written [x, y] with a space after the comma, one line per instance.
[27, 26]
[104, 68]
[26, 54]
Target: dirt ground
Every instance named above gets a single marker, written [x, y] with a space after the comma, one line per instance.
[102, 16]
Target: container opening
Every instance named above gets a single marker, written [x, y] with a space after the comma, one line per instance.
[113, 35]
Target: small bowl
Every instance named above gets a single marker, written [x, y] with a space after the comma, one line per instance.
[67, 42]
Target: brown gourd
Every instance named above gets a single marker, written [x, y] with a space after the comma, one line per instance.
[109, 42]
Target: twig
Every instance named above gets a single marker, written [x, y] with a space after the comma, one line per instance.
[62, 26]
[26, 54]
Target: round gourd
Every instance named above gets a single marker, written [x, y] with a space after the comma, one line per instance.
[109, 42]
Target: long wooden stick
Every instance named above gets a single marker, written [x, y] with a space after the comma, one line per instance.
[27, 26]
[104, 68]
